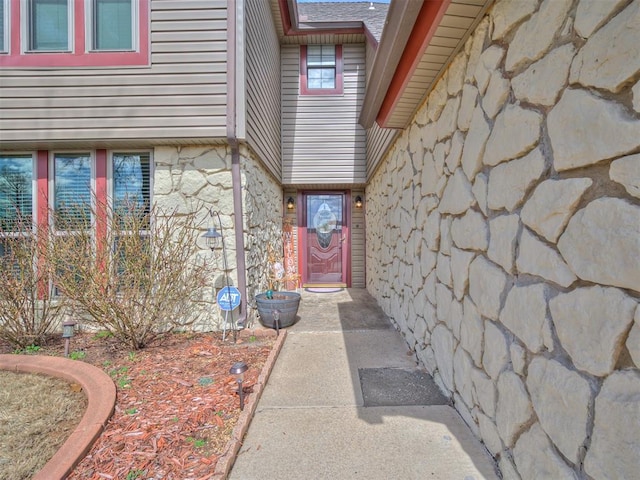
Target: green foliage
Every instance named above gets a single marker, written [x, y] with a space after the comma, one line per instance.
[197, 442]
[205, 381]
[103, 334]
[135, 474]
[77, 355]
[28, 350]
[131, 411]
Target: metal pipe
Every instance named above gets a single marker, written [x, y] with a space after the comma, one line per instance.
[236, 178]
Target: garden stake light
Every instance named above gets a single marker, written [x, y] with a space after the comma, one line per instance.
[238, 370]
[67, 333]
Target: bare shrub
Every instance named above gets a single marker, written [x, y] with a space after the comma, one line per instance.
[143, 276]
[29, 312]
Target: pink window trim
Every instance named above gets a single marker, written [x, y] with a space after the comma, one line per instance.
[79, 57]
[320, 91]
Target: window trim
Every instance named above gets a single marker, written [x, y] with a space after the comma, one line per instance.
[305, 90]
[110, 184]
[81, 55]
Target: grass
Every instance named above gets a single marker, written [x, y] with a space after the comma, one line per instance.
[37, 414]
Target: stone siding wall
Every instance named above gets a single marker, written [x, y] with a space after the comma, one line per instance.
[504, 236]
[198, 179]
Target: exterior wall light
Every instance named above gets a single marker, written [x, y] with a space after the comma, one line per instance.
[290, 203]
[358, 201]
[67, 333]
[238, 370]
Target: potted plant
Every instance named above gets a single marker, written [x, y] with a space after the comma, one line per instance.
[277, 308]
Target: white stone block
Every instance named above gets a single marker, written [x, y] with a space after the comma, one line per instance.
[497, 93]
[543, 81]
[472, 331]
[516, 131]
[534, 37]
[444, 297]
[470, 232]
[443, 270]
[590, 70]
[448, 121]
[462, 368]
[633, 342]
[535, 457]
[537, 258]
[489, 62]
[514, 409]
[474, 143]
[474, 47]
[479, 190]
[445, 235]
[455, 152]
[489, 434]
[460, 261]
[561, 400]
[510, 181]
[485, 392]
[467, 106]
[592, 15]
[591, 324]
[457, 197]
[518, 358]
[551, 205]
[487, 282]
[626, 171]
[602, 243]
[503, 236]
[442, 342]
[507, 14]
[581, 127]
[456, 73]
[496, 352]
[615, 441]
[525, 314]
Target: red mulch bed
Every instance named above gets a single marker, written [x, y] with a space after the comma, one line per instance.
[176, 404]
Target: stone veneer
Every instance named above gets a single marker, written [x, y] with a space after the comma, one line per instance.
[504, 236]
[199, 178]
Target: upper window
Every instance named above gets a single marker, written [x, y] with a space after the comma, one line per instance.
[48, 25]
[113, 25]
[72, 191]
[16, 192]
[4, 24]
[321, 69]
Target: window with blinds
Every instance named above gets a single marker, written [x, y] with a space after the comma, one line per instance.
[131, 185]
[72, 191]
[16, 193]
[3, 26]
[113, 24]
[49, 22]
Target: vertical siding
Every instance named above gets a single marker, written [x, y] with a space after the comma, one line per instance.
[181, 95]
[263, 84]
[321, 139]
[358, 241]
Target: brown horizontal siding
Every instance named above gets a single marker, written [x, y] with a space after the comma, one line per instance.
[182, 94]
[263, 85]
[322, 142]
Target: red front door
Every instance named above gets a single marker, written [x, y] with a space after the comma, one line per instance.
[325, 239]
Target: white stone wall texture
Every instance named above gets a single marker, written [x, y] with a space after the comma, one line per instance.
[504, 236]
[188, 179]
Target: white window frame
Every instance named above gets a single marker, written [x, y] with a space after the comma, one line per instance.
[6, 24]
[26, 28]
[110, 178]
[34, 193]
[90, 28]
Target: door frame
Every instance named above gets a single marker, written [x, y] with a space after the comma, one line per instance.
[301, 215]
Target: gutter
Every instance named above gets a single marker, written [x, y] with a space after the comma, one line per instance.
[232, 139]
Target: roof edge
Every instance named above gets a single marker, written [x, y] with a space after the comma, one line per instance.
[401, 19]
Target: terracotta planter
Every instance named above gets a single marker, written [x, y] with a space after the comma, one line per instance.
[286, 303]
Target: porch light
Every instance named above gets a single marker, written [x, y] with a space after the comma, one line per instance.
[212, 237]
[67, 333]
[290, 203]
[238, 370]
[358, 201]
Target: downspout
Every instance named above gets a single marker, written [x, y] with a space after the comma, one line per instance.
[235, 159]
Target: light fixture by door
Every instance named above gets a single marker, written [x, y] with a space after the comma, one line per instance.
[358, 201]
[290, 203]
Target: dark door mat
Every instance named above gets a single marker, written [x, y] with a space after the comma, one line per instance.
[394, 387]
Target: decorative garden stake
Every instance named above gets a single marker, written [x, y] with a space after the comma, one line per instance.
[238, 370]
[67, 333]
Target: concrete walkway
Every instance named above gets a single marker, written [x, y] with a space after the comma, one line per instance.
[331, 409]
